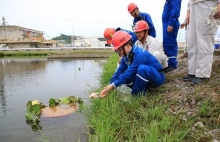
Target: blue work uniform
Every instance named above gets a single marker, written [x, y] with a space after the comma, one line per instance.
[146, 17]
[170, 17]
[143, 72]
[133, 35]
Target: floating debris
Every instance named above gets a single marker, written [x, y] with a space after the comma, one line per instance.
[57, 111]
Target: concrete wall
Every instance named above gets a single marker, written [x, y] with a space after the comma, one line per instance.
[16, 33]
[10, 33]
[22, 45]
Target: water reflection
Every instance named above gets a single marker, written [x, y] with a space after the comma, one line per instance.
[25, 79]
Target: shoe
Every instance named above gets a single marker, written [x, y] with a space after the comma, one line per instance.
[168, 69]
[188, 77]
[197, 80]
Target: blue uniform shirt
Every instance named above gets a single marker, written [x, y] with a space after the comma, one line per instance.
[127, 72]
[171, 12]
[133, 35]
[146, 17]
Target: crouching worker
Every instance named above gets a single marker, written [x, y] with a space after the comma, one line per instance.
[138, 68]
[149, 43]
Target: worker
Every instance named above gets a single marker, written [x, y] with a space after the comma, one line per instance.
[185, 24]
[138, 68]
[170, 22]
[148, 42]
[133, 35]
[134, 11]
[108, 33]
[203, 26]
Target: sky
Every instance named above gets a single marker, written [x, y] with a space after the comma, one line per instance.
[87, 18]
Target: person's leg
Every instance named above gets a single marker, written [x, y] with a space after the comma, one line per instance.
[191, 46]
[146, 77]
[170, 45]
[205, 31]
[206, 40]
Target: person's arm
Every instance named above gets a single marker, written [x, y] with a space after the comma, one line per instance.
[186, 22]
[174, 15]
[122, 67]
[146, 17]
[217, 14]
[188, 13]
[120, 70]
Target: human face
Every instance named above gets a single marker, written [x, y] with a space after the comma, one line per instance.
[140, 35]
[120, 51]
[133, 13]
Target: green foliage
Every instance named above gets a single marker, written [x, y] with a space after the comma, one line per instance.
[64, 37]
[64, 100]
[79, 100]
[53, 102]
[33, 111]
[1, 54]
[72, 98]
[109, 69]
[167, 114]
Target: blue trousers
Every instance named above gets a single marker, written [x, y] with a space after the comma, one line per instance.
[170, 44]
[146, 77]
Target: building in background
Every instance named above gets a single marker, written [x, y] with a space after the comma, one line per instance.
[20, 37]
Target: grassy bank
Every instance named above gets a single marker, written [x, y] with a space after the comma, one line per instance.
[53, 52]
[176, 111]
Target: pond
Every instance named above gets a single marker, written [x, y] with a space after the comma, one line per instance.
[25, 79]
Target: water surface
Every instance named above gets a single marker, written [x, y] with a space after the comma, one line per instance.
[24, 79]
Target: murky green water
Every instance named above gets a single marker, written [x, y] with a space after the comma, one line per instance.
[24, 79]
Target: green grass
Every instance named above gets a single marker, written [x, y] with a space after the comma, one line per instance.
[53, 52]
[169, 113]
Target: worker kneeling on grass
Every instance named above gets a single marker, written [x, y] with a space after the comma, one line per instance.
[138, 68]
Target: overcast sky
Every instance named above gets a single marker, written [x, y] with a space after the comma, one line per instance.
[88, 17]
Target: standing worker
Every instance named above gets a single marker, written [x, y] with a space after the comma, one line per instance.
[134, 11]
[203, 26]
[138, 68]
[185, 24]
[148, 42]
[170, 21]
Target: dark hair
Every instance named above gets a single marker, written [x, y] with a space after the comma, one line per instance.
[118, 29]
[129, 42]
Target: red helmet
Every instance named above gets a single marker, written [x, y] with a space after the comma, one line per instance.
[119, 39]
[108, 33]
[131, 7]
[140, 26]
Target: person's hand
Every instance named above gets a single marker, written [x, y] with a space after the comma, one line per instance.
[182, 25]
[217, 13]
[169, 29]
[187, 20]
[105, 91]
[187, 17]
